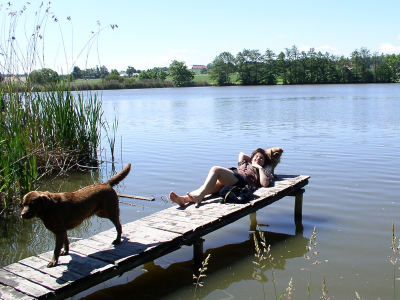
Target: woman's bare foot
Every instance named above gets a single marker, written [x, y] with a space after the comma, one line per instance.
[194, 198]
[177, 199]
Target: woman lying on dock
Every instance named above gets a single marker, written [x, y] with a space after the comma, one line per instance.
[250, 171]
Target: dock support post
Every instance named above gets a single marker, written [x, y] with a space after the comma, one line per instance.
[198, 252]
[298, 209]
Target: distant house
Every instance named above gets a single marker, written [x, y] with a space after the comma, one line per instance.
[198, 67]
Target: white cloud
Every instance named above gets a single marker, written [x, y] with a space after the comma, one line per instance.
[328, 48]
[388, 48]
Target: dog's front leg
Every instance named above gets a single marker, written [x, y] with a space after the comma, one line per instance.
[66, 245]
[57, 249]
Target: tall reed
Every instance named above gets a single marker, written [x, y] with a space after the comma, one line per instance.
[394, 259]
[202, 274]
[44, 128]
[43, 132]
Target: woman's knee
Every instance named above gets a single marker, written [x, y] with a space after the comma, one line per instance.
[215, 169]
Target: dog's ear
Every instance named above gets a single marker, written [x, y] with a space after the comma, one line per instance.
[45, 200]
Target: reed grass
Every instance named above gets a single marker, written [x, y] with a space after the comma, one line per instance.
[201, 275]
[44, 132]
[45, 128]
[311, 248]
[263, 253]
[393, 259]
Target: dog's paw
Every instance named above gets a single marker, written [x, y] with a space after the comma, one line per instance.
[116, 242]
[51, 264]
[64, 252]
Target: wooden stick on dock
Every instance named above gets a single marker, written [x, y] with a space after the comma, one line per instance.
[136, 197]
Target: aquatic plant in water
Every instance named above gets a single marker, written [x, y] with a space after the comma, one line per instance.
[202, 274]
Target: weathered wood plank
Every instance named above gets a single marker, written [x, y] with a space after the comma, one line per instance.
[8, 293]
[58, 271]
[79, 263]
[177, 214]
[23, 285]
[180, 226]
[36, 276]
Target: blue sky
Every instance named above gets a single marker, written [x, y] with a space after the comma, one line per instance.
[152, 33]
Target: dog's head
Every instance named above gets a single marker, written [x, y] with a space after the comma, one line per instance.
[274, 154]
[34, 204]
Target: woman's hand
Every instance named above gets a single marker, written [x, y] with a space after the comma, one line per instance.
[244, 156]
[256, 165]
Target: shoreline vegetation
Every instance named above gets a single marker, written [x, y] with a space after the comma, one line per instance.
[46, 128]
[249, 67]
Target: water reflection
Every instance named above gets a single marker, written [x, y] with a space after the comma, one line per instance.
[233, 259]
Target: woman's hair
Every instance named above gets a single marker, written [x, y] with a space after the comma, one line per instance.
[261, 151]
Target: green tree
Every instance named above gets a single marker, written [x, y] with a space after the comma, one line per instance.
[281, 65]
[180, 73]
[114, 72]
[43, 76]
[269, 75]
[102, 72]
[249, 63]
[130, 71]
[77, 73]
[312, 65]
[222, 67]
[162, 75]
[355, 62]
[144, 75]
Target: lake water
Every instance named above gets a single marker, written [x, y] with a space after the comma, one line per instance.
[346, 137]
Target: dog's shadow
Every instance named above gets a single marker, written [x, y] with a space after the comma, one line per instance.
[84, 262]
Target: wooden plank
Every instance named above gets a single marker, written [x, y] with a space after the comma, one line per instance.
[100, 246]
[177, 214]
[36, 276]
[79, 263]
[23, 285]
[105, 256]
[58, 271]
[8, 293]
[125, 245]
[180, 226]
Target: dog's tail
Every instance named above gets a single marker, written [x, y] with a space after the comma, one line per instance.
[117, 178]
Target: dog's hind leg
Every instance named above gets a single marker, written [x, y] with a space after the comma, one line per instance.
[66, 245]
[57, 249]
[118, 227]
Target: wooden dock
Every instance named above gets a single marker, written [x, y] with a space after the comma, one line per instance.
[94, 260]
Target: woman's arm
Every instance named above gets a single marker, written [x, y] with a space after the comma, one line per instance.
[244, 156]
[264, 175]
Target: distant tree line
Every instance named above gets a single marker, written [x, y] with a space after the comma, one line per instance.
[251, 67]
[98, 72]
[294, 67]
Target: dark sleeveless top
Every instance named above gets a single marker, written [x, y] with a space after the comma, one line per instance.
[250, 173]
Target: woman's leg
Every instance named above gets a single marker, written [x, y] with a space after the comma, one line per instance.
[217, 178]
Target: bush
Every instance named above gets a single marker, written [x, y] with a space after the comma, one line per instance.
[44, 76]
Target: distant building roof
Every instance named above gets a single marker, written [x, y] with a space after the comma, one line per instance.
[199, 67]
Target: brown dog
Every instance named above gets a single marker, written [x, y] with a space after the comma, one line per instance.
[63, 211]
[274, 155]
